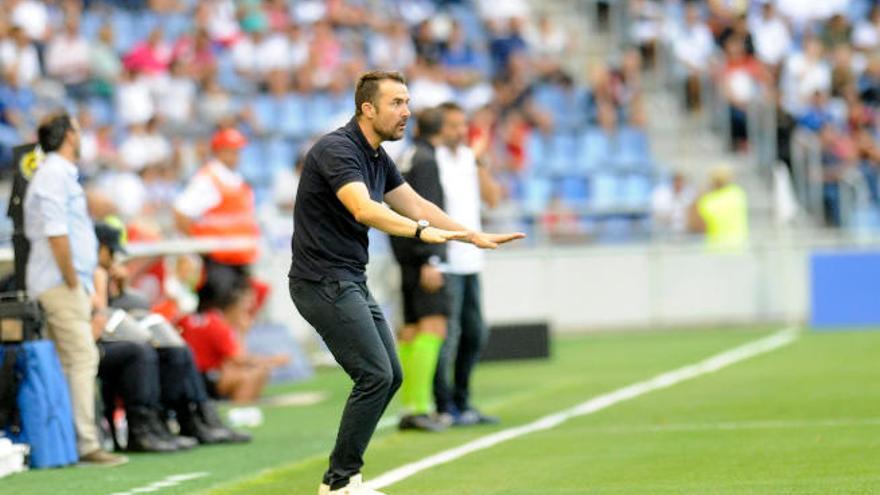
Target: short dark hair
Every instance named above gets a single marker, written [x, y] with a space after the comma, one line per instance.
[450, 106]
[368, 87]
[53, 130]
[429, 122]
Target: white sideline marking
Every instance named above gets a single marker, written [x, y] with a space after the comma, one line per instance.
[169, 481]
[767, 424]
[661, 381]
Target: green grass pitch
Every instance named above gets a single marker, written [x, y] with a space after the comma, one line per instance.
[803, 419]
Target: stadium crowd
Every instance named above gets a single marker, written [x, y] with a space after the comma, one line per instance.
[817, 63]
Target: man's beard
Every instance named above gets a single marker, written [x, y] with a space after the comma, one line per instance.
[390, 135]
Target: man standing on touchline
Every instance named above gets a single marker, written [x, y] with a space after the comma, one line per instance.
[346, 177]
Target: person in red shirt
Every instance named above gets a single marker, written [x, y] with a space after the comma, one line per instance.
[228, 370]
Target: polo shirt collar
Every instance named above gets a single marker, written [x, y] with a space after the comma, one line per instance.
[355, 130]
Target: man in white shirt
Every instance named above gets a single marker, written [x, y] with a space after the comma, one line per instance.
[693, 50]
[60, 268]
[771, 35]
[467, 184]
[68, 59]
[18, 57]
[670, 203]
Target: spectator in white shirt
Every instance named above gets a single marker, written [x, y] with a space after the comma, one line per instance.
[18, 57]
[392, 47]
[176, 98]
[68, 59]
[30, 15]
[772, 37]
[670, 203]
[804, 73]
[547, 44]
[428, 87]
[866, 36]
[693, 50]
[134, 103]
[259, 53]
[297, 46]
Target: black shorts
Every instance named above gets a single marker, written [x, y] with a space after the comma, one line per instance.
[417, 303]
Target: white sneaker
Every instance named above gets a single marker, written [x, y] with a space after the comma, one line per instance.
[355, 486]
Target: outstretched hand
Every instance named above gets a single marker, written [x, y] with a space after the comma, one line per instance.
[491, 241]
[433, 235]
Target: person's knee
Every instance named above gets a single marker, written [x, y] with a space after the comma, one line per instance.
[379, 380]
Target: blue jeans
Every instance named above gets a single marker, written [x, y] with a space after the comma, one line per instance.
[465, 339]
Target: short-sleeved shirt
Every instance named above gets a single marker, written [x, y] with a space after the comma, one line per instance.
[328, 243]
[55, 205]
[211, 339]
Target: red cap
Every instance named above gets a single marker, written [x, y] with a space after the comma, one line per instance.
[228, 138]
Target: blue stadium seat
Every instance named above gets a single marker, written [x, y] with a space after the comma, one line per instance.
[101, 110]
[562, 161]
[637, 190]
[574, 191]
[280, 153]
[90, 23]
[537, 154]
[176, 25]
[632, 148]
[294, 116]
[252, 163]
[537, 194]
[604, 190]
[594, 150]
[124, 30]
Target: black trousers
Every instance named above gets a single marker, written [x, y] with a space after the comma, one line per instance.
[180, 381]
[466, 337]
[352, 325]
[129, 370]
[146, 377]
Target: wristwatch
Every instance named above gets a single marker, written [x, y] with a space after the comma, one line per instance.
[421, 225]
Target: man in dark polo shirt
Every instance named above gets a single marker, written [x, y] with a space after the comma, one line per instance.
[346, 177]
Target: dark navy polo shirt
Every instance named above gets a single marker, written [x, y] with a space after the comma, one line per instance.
[328, 243]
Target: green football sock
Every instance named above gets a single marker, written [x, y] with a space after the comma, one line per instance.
[404, 352]
[425, 352]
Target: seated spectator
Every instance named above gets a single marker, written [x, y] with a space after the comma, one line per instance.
[460, 59]
[505, 41]
[693, 50]
[68, 59]
[547, 43]
[804, 73]
[866, 36]
[134, 103]
[392, 48]
[772, 37]
[228, 370]
[18, 58]
[176, 98]
[670, 203]
[149, 367]
[151, 57]
[839, 158]
[817, 115]
[837, 32]
[741, 80]
[106, 66]
[645, 28]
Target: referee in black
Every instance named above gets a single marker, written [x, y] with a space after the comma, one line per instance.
[346, 177]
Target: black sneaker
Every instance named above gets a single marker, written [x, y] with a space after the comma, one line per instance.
[420, 422]
[472, 417]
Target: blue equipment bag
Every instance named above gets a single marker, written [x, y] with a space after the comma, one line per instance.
[40, 415]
